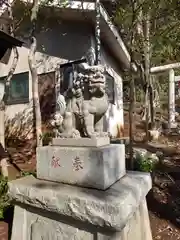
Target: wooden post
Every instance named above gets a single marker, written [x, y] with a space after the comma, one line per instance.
[131, 118]
[171, 109]
[57, 83]
[58, 76]
[147, 70]
[2, 128]
[151, 99]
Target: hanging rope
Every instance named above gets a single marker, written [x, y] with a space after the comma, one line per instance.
[97, 33]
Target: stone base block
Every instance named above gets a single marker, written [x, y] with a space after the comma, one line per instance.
[46, 210]
[83, 166]
[81, 142]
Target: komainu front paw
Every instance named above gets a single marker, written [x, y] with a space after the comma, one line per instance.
[103, 134]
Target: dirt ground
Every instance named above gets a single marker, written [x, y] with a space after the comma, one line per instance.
[164, 202]
[164, 198]
[3, 230]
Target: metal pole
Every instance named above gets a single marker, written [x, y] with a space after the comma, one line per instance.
[98, 33]
[171, 116]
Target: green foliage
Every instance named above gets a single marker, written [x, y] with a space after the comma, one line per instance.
[165, 27]
[164, 33]
[24, 174]
[4, 198]
[5, 201]
[145, 163]
[47, 137]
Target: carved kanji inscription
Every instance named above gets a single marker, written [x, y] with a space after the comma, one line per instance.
[55, 162]
[77, 164]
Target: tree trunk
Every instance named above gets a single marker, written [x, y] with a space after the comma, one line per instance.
[35, 93]
[4, 161]
[132, 92]
[34, 76]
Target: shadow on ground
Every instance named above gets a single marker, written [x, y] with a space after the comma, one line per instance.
[164, 198]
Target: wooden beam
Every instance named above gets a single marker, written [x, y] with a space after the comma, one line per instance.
[164, 67]
[177, 78]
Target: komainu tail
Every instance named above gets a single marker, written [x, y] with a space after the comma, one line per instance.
[61, 104]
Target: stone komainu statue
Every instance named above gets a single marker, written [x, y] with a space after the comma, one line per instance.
[81, 111]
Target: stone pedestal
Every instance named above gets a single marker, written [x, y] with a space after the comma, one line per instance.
[47, 210]
[95, 167]
[81, 142]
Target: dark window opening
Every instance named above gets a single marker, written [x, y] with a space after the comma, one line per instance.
[47, 95]
[19, 89]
